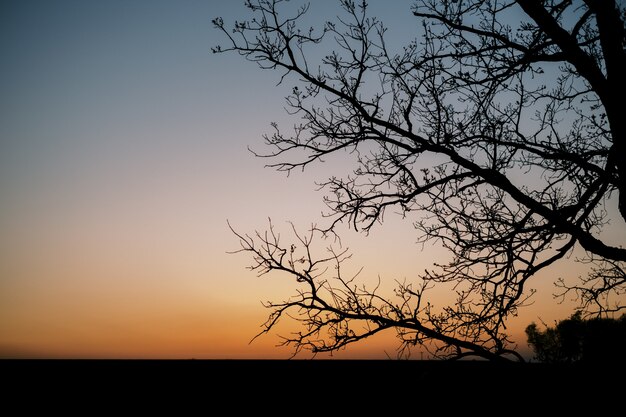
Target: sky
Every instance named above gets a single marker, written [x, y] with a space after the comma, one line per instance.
[123, 154]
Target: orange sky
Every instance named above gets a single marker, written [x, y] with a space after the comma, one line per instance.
[123, 153]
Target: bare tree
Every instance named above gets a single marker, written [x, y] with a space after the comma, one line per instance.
[499, 130]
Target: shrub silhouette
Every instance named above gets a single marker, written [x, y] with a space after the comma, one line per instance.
[580, 340]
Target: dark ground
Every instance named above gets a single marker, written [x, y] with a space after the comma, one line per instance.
[311, 386]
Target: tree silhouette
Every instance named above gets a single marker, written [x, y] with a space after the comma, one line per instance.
[499, 131]
[575, 339]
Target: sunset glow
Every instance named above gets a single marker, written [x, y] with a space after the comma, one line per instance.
[123, 154]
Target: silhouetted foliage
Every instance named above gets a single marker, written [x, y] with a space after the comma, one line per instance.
[499, 131]
[575, 339]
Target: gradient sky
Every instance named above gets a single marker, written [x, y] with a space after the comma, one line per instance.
[123, 152]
